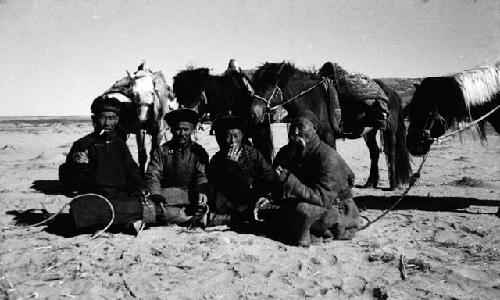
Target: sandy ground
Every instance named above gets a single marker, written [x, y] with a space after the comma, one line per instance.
[445, 228]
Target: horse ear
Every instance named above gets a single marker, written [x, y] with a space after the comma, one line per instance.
[281, 67]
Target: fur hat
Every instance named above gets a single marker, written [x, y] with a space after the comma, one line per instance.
[103, 103]
[225, 123]
[307, 114]
[182, 115]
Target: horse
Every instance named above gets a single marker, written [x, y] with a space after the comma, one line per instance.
[145, 98]
[441, 103]
[214, 96]
[299, 89]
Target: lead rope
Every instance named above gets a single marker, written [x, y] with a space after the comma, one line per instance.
[414, 178]
[299, 95]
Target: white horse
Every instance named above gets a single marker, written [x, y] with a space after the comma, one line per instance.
[146, 98]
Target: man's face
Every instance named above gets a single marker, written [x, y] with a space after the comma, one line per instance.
[233, 138]
[106, 120]
[301, 131]
[182, 133]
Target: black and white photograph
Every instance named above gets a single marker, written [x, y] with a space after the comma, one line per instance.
[250, 149]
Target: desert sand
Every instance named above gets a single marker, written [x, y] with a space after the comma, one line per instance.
[446, 229]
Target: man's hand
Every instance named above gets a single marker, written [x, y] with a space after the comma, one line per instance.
[143, 195]
[81, 157]
[234, 153]
[262, 202]
[279, 170]
[282, 173]
[202, 199]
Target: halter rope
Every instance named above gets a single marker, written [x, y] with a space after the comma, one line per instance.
[299, 95]
[414, 178]
[441, 138]
[268, 101]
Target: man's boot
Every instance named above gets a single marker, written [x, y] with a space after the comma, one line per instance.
[156, 213]
[349, 221]
[307, 217]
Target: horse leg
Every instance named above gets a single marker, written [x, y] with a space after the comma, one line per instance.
[141, 149]
[371, 142]
[390, 153]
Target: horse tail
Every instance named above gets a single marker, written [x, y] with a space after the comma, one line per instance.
[397, 129]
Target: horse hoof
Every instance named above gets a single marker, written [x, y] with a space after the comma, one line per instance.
[304, 244]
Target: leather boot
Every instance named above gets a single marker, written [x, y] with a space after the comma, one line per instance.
[307, 217]
[215, 219]
[349, 221]
[157, 213]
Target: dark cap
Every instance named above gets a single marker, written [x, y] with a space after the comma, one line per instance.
[307, 114]
[225, 123]
[103, 103]
[174, 117]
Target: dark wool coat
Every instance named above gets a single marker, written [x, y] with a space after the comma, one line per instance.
[173, 166]
[320, 178]
[111, 170]
[244, 181]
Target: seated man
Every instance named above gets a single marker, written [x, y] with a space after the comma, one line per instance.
[238, 173]
[315, 176]
[100, 163]
[176, 171]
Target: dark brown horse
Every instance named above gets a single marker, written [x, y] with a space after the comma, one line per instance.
[441, 103]
[282, 84]
[214, 96]
[145, 98]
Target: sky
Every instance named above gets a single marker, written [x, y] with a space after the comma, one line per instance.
[57, 56]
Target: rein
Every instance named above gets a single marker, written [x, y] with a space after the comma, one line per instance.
[445, 136]
[294, 97]
[416, 175]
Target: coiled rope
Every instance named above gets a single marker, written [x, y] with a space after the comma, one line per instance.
[67, 204]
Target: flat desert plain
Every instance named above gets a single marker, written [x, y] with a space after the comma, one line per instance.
[446, 229]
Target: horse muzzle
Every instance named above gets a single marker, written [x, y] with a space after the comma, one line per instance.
[419, 144]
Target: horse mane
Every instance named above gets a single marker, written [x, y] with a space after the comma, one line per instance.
[444, 92]
[188, 83]
[272, 73]
[461, 91]
[478, 85]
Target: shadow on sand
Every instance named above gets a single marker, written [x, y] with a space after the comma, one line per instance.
[422, 203]
[49, 187]
[61, 225]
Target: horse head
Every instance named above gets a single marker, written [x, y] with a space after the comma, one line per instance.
[426, 122]
[144, 95]
[147, 97]
[268, 82]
